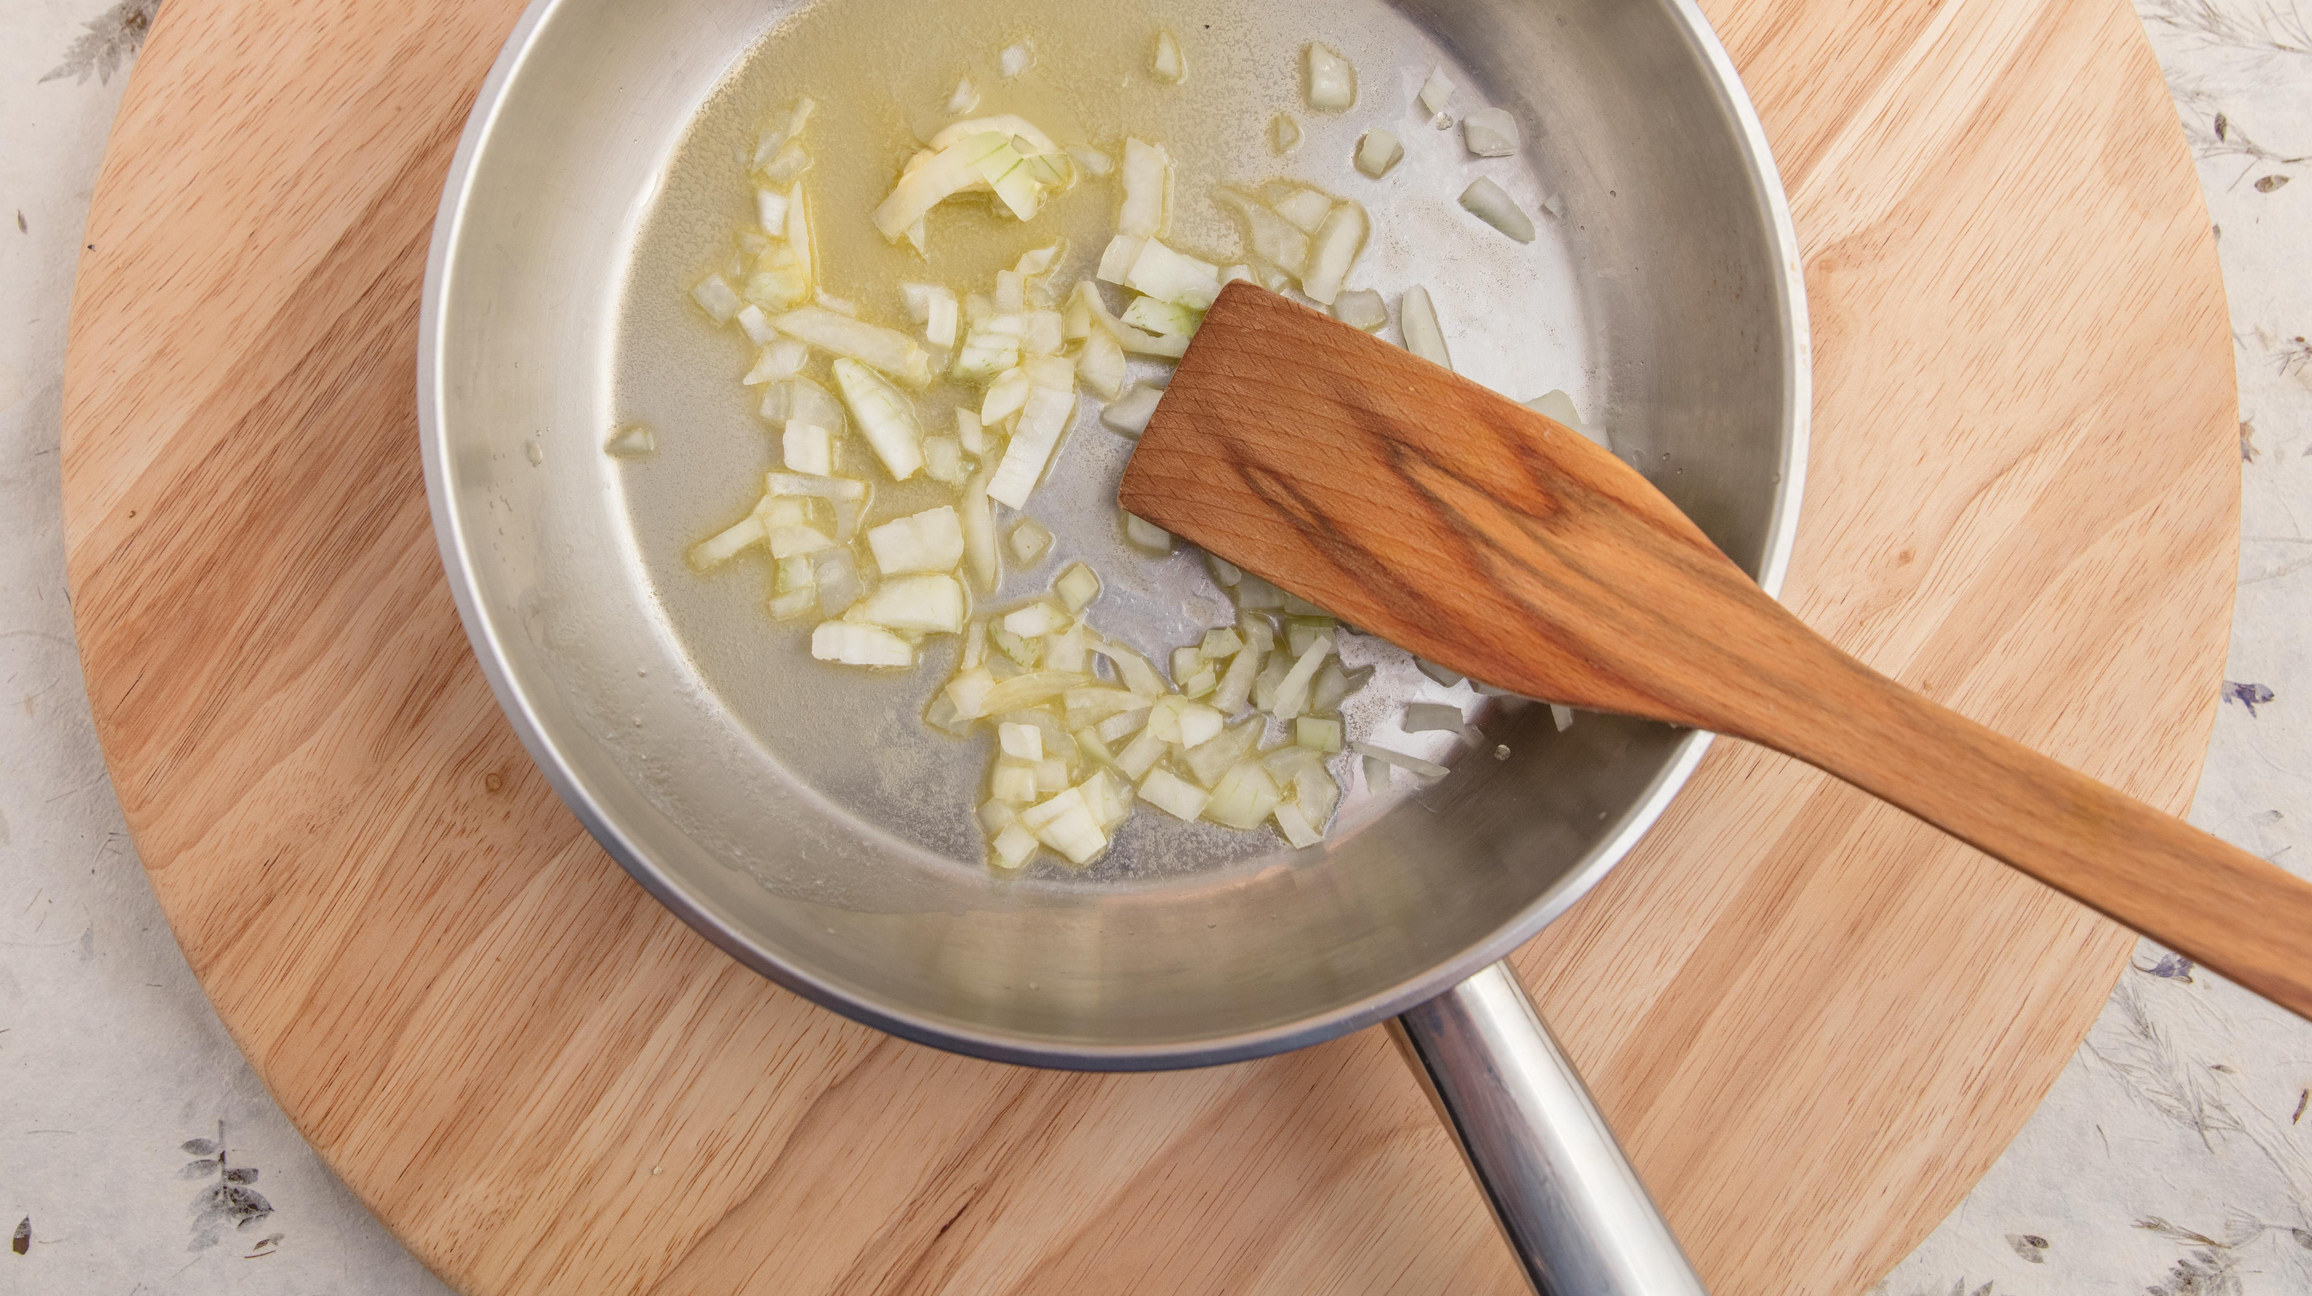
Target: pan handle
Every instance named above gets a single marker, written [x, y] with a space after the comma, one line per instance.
[1572, 1207]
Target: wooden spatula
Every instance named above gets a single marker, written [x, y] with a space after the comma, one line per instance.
[1420, 507]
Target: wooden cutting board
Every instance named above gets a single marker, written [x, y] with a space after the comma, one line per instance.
[1814, 1022]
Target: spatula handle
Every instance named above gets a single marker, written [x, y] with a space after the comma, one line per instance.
[2197, 895]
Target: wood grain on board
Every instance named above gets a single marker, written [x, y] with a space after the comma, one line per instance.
[1814, 1021]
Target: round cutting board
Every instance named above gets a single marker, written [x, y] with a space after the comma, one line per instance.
[1814, 1021]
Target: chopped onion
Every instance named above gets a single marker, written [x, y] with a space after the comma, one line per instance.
[1008, 125]
[1332, 82]
[1093, 161]
[1033, 689]
[1334, 685]
[1489, 203]
[1013, 846]
[1220, 644]
[1042, 333]
[1362, 308]
[964, 99]
[1433, 717]
[1006, 396]
[1414, 764]
[790, 161]
[717, 298]
[808, 449]
[1101, 364]
[799, 242]
[1305, 207]
[1134, 669]
[888, 350]
[1561, 716]
[1418, 316]
[1490, 132]
[1169, 66]
[1284, 134]
[1147, 190]
[1015, 59]
[787, 605]
[771, 211]
[1273, 237]
[1332, 251]
[1041, 422]
[1293, 691]
[755, 324]
[778, 362]
[1174, 795]
[1020, 741]
[1244, 797]
[631, 442]
[849, 643]
[1121, 725]
[1034, 621]
[1224, 572]
[1378, 151]
[835, 574]
[1436, 92]
[726, 544]
[1116, 261]
[930, 541]
[953, 169]
[969, 432]
[1295, 825]
[1215, 756]
[925, 604]
[1030, 541]
[1173, 276]
[1098, 703]
[943, 460]
[1147, 534]
[1317, 734]
[1559, 406]
[885, 418]
[1077, 587]
[1160, 317]
[987, 352]
[979, 548]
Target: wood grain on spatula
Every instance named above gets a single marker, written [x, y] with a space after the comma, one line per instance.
[1429, 511]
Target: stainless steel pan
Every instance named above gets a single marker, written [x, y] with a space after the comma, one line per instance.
[802, 819]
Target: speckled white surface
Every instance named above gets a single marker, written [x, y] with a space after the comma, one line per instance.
[2172, 1157]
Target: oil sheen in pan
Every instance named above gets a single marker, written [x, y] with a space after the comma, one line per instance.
[882, 72]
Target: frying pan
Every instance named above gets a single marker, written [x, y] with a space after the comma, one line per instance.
[805, 820]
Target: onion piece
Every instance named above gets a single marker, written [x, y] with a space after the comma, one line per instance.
[1030, 541]
[1006, 396]
[1436, 92]
[1378, 152]
[964, 99]
[1146, 534]
[1284, 134]
[835, 575]
[1560, 407]
[1418, 317]
[771, 211]
[1413, 764]
[1078, 587]
[1561, 716]
[1174, 277]
[1224, 572]
[1295, 825]
[1332, 83]
[799, 241]
[1273, 237]
[888, 350]
[633, 441]
[1132, 668]
[1015, 59]
[1101, 364]
[1093, 161]
[1041, 422]
[1332, 251]
[1362, 308]
[1432, 717]
[1020, 741]
[1013, 847]
[927, 604]
[885, 418]
[1160, 317]
[1317, 734]
[1491, 204]
[1215, 756]
[932, 181]
[1141, 754]
[728, 543]
[1174, 795]
[1121, 725]
[755, 324]
[849, 643]
[778, 362]
[1147, 190]
[790, 161]
[1032, 689]
[1008, 125]
[1293, 691]
[979, 548]
[1168, 65]
[797, 485]
[807, 449]
[930, 541]
[943, 460]
[1491, 132]
[969, 432]
[1244, 797]
[1304, 206]
[717, 298]
[1116, 260]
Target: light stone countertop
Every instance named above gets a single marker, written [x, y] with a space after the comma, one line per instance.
[2173, 1157]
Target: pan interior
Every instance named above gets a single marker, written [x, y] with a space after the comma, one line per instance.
[802, 815]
